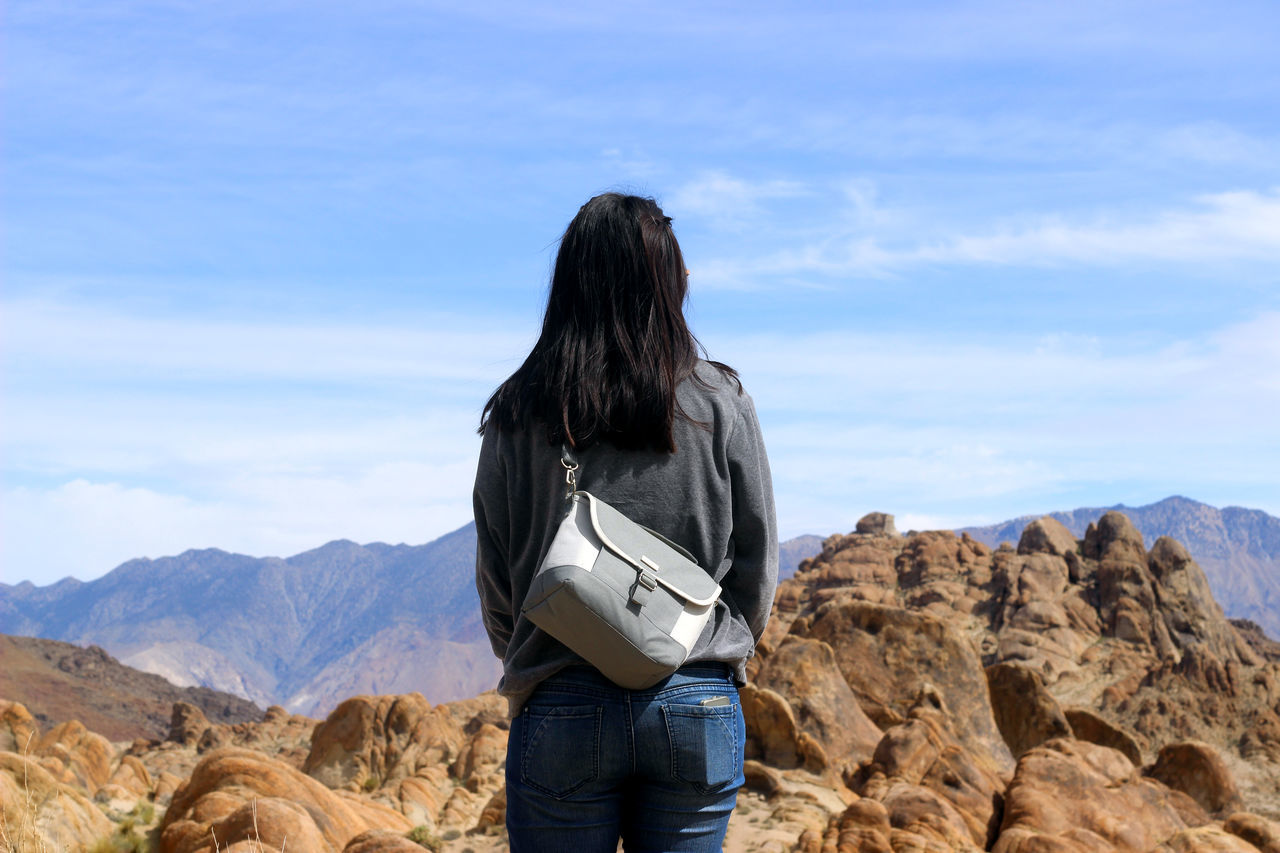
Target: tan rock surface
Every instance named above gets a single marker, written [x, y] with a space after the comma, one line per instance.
[1197, 770]
[381, 841]
[1084, 797]
[38, 812]
[1258, 831]
[19, 731]
[76, 755]
[224, 787]
[439, 765]
[1026, 713]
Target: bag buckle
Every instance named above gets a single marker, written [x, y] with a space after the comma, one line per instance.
[641, 589]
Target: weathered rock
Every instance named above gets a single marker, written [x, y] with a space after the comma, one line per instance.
[188, 723]
[1261, 833]
[927, 778]
[773, 734]
[877, 523]
[1024, 710]
[220, 798]
[805, 671]
[381, 841]
[1047, 535]
[415, 755]
[1070, 795]
[19, 731]
[1197, 770]
[1205, 839]
[1086, 725]
[76, 755]
[888, 654]
[37, 812]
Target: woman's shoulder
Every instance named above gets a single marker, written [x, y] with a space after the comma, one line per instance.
[715, 392]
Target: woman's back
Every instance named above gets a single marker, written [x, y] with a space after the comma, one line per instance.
[674, 443]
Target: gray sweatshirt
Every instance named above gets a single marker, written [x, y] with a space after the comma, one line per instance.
[713, 496]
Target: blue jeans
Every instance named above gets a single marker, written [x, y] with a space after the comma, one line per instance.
[589, 762]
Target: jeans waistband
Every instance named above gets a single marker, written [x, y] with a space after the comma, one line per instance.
[589, 676]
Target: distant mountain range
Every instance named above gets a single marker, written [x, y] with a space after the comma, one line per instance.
[311, 630]
[305, 632]
[1239, 549]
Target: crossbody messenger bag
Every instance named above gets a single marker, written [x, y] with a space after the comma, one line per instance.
[629, 601]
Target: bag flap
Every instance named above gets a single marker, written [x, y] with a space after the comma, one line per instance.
[668, 563]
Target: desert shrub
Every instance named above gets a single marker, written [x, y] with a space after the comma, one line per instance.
[145, 812]
[371, 783]
[424, 837]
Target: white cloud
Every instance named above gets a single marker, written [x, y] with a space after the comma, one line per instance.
[869, 240]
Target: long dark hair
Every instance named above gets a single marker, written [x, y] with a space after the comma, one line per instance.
[614, 340]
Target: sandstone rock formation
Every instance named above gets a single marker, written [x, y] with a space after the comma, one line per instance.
[38, 812]
[237, 795]
[439, 766]
[1085, 658]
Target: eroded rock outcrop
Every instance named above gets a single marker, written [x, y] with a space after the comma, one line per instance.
[236, 795]
[438, 765]
[39, 812]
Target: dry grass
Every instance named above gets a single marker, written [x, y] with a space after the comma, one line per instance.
[255, 842]
[24, 837]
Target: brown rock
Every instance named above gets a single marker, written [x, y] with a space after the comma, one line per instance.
[877, 524]
[1071, 795]
[1205, 839]
[1197, 770]
[1261, 833]
[772, 731]
[188, 723]
[863, 828]
[80, 756]
[18, 729]
[37, 812]
[1086, 725]
[220, 795]
[271, 823]
[924, 753]
[888, 654]
[804, 671]
[381, 841]
[1047, 535]
[439, 765]
[1024, 710]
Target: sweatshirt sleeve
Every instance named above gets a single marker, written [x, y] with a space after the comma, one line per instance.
[493, 577]
[752, 580]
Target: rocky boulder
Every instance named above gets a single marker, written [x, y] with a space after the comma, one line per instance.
[38, 812]
[237, 795]
[437, 765]
[876, 524]
[1198, 771]
[1069, 795]
[1026, 713]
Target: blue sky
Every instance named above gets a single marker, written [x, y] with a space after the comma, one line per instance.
[263, 262]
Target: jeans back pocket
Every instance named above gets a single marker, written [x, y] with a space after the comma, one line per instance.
[560, 751]
[706, 750]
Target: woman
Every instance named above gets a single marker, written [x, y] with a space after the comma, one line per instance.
[673, 442]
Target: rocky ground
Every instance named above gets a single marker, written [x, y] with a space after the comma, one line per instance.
[918, 693]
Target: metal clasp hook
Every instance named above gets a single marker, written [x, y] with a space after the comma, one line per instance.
[570, 477]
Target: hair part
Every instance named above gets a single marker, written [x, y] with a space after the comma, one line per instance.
[614, 343]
